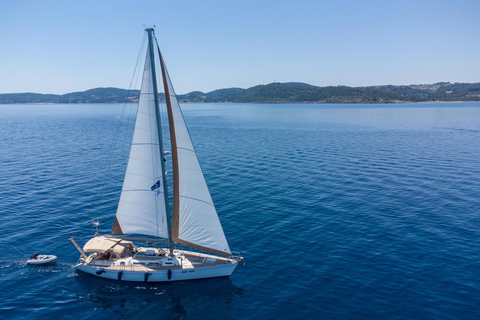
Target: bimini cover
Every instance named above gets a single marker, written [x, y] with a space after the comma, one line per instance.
[101, 243]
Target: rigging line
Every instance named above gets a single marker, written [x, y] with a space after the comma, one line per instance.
[154, 134]
[166, 138]
[173, 223]
[137, 74]
[100, 189]
[158, 131]
[164, 119]
[162, 103]
[117, 129]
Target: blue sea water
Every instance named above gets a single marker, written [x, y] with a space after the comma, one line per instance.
[341, 211]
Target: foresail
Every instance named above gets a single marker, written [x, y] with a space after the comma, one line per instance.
[142, 210]
[195, 220]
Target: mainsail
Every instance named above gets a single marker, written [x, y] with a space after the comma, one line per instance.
[195, 220]
[142, 210]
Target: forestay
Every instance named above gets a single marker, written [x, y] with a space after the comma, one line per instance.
[141, 210]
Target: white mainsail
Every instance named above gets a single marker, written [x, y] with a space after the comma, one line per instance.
[195, 219]
[141, 210]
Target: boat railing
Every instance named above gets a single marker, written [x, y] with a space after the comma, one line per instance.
[178, 246]
[237, 256]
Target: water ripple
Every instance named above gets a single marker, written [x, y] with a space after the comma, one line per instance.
[341, 212]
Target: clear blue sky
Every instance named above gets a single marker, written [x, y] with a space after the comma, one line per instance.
[65, 46]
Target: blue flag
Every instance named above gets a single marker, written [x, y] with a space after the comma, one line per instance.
[156, 185]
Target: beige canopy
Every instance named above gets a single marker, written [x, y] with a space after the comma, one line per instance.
[101, 243]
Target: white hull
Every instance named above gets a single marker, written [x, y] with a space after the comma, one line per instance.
[42, 259]
[224, 270]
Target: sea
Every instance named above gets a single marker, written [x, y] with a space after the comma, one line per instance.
[340, 211]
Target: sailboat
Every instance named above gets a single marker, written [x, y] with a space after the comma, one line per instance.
[189, 242]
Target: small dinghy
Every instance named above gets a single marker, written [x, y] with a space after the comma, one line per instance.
[41, 259]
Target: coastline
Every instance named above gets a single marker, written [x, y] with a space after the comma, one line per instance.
[257, 102]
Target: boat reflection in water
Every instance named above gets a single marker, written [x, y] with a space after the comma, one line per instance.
[214, 297]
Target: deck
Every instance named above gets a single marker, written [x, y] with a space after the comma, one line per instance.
[188, 261]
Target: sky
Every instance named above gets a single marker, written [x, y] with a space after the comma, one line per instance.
[66, 46]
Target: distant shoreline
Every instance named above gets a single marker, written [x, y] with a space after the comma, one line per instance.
[275, 93]
[265, 103]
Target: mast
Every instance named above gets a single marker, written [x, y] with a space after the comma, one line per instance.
[150, 32]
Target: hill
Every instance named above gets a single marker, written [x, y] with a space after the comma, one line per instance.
[301, 92]
[97, 95]
[290, 92]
